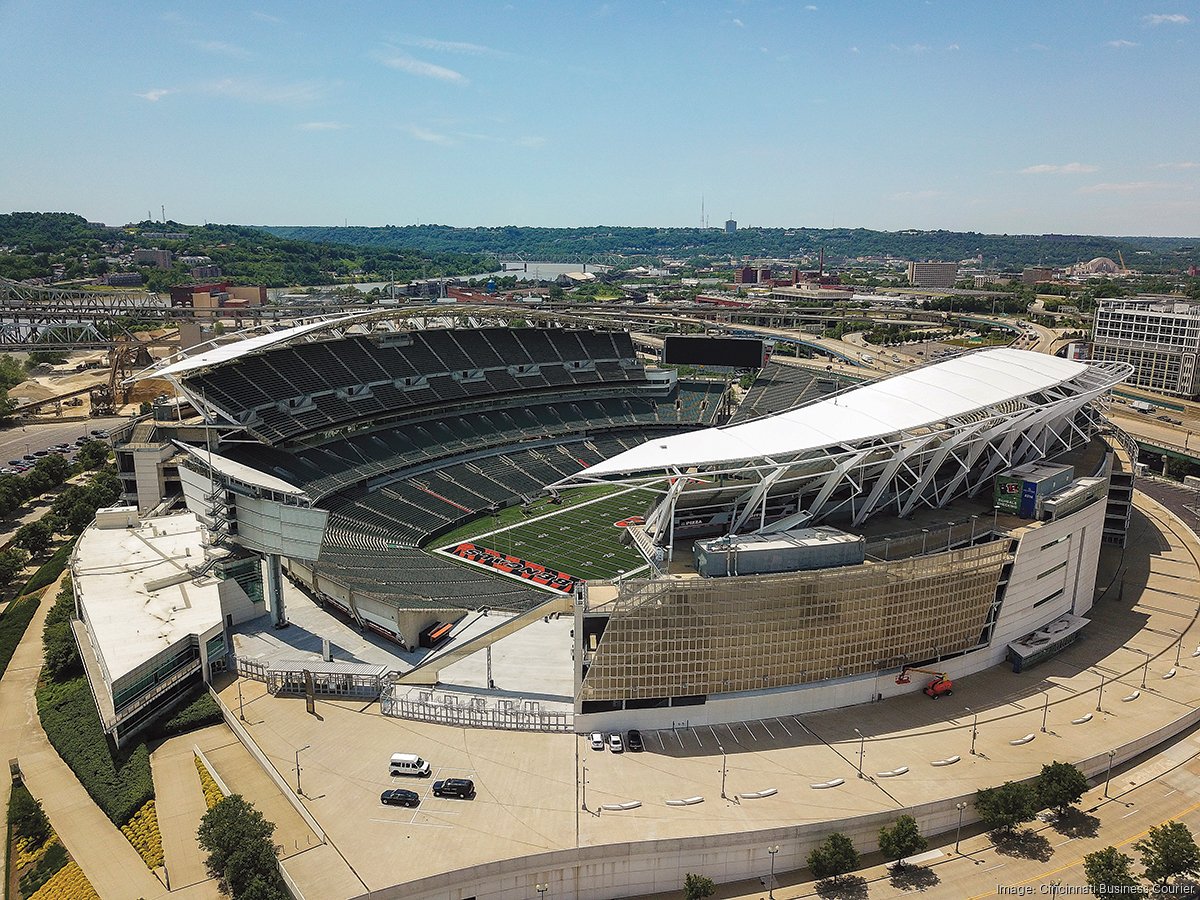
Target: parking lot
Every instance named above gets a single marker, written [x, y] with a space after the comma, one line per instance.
[17, 442]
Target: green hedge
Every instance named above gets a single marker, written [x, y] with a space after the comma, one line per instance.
[201, 710]
[13, 623]
[50, 569]
[119, 783]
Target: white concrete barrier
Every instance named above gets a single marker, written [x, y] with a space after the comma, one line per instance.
[948, 761]
[617, 807]
[687, 801]
[1022, 740]
[822, 785]
[1170, 674]
[894, 773]
[1131, 697]
[1082, 719]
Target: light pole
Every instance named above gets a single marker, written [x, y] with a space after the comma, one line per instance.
[862, 739]
[241, 711]
[771, 883]
[960, 806]
[974, 729]
[1045, 710]
[887, 548]
[722, 749]
[973, 518]
[1100, 698]
[924, 539]
[1178, 647]
[541, 889]
[298, 790]
[1108, 774]
[1145, 666]
[583, 785]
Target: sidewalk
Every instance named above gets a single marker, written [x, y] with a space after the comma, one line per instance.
[109, 861]
[179, 801]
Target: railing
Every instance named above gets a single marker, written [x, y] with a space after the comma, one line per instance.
[466, 711]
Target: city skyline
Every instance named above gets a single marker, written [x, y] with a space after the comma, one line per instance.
[1021, 118]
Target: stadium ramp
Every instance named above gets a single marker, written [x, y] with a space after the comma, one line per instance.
[427, 671]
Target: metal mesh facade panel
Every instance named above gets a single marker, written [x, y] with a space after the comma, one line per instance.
[717, 635]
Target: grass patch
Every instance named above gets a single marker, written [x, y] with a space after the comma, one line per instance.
[513, 515]
[13, 623]
[581, 540]
[49, 571]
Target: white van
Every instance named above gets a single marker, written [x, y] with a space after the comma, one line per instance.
[408, 764]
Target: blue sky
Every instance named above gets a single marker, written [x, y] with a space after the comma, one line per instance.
[998, 117]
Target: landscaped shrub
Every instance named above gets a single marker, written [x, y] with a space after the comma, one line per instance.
[69, 883]
[199, 712]
[142, 831]
[212, 793]
[53, 860]
[13, 622]
[119, 783]
[60, 652]
[51, 569]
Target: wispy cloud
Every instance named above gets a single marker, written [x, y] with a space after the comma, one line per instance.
[911, 48]
[266, 17]
[404, 63]
[254, 91]
[463, 47]
[1187, 164]
[1121, 44]
[321, 126]
[953, 47]
[811, 8]
[155, 95]
[1166, 19]
[430, 137]
[1121, 187]
[222, 48]
[1040, 47]
[855, 50]
[1071, 168]
[739, 23]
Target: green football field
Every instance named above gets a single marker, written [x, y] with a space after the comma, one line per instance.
[580, 539]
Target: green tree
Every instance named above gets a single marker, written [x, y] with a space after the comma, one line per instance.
[1060, 786]
[27, 818]
[1167, 851]
[50, 471]
[1107, 873]
[903, 839]
[92, 454]
[241, 856]
[697, 887]
[35, 537]
[1004, 808]
[834, 856]
[12, 561]
[45, 358]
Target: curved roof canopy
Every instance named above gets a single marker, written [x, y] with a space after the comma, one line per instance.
[912, 400]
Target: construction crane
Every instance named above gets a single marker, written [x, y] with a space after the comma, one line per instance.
[941, 686]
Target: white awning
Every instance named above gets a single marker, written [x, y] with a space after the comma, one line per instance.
[905, 402]
[240, 472]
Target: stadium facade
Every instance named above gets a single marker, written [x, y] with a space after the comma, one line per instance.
[355, 443]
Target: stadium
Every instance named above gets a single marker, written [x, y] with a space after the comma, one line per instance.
[805, 543]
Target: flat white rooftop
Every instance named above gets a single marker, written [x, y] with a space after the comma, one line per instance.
[136, 590]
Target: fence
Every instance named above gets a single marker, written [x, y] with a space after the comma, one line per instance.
[467, 711]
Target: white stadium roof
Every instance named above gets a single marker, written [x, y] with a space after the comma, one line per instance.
[905, 402]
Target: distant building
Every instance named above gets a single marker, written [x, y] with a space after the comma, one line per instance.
[207, 299]
[1158, 335]
[984, 280]
[932, 274]
[730, 226]
[123, 279]
[745, 275]
[209, 271]
[165, 235]
[159, 258]
[1036, 275]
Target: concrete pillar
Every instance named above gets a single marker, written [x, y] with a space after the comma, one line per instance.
[1164, 468]
[275, 590]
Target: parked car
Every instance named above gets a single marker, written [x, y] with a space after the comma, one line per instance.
[615, 744]
[460, 788]
[597, 741]
[400, 797]
[16, 462]
[635, 741]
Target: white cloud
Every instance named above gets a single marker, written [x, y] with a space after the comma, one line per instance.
[253, 91]
[155, 95]
[855, 50]
[1041, 47]
[463, 47]
[1072, 168]
[1121, 187]
[266, 17]
[321, 126]
[1179, 165]
[221, 48]
[1166, 19]
[531, 140]
[1121, 44]
[911, 48]
[811, 8]
[405, 63]
[953, 47]
[430, 137]
[739, 23]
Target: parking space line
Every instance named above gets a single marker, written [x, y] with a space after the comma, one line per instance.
[734, 736]
[763, 723]
[753, 736]
[784, 726]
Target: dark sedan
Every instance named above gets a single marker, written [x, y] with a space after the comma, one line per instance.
[400, 797]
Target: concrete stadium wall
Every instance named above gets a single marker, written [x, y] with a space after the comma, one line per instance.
[643, 867]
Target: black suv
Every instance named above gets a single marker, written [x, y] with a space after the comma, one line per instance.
[462, 788]
[634, 741]
[400, 797]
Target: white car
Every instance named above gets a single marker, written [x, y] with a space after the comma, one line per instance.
[615, 744]
[597, 741]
